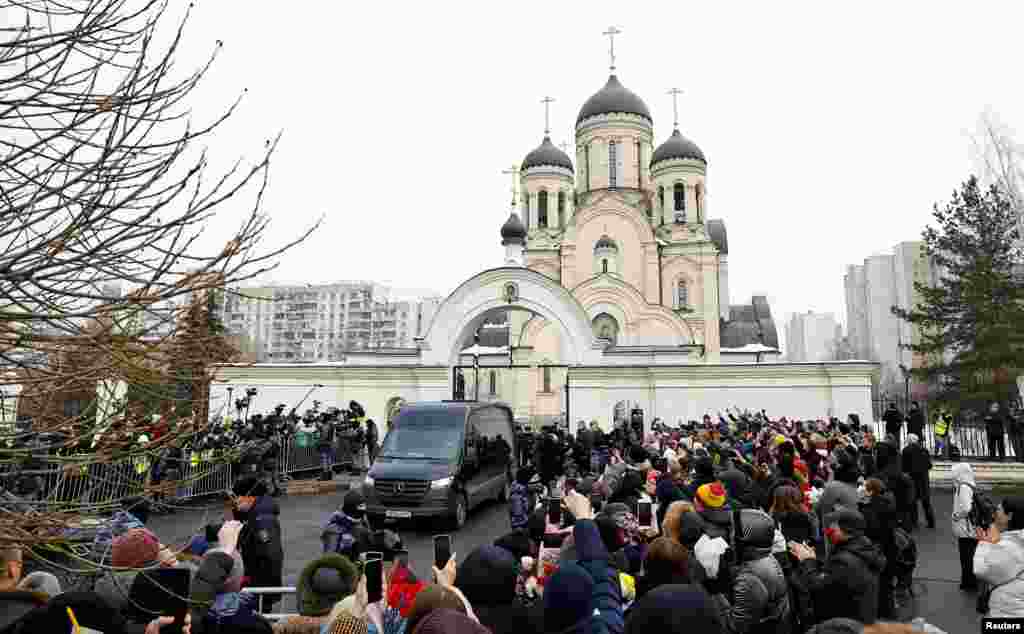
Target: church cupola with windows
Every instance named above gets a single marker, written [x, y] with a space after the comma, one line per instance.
[547, 185]
[678, 169]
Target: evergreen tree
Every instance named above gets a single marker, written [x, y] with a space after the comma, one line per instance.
[971, 322]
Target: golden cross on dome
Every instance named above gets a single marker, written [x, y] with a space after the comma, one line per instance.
[565, 146]
[547, 114]
[675, 92]
[611, 33]
[514, 171]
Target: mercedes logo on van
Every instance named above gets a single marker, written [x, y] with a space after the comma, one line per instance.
[399, 487]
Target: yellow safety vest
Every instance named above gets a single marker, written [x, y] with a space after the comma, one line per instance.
[141, 465]
[942, 424]
[193, 458]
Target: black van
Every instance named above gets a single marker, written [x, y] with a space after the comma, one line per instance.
[441, 460]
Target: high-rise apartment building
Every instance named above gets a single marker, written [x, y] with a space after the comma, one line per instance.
[321, 322]
[872, 289]
[810, 337]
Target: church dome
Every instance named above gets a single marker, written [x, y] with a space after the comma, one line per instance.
[614, 97]
[677, 147]
[604, 242]
[513, 230]
[547, 154]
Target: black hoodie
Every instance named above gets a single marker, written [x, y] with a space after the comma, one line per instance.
[847, 584]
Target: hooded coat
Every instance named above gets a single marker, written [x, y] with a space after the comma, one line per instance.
[1002, 566]
[260, 543]
[487, 578]
[963, 496]
[846, 585]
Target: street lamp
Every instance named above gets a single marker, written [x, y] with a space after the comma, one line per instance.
[476, 366]
[906, 385]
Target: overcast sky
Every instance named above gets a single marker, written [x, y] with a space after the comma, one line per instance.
[830, 128]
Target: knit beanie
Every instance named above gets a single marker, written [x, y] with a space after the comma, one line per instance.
[137, 548]
[711, 495]
[674, 608]
[323, 582]
[488, 576]
[567, 597]
[445, 621]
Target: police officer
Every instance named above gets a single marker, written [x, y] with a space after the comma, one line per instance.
[325, 446]
[943, 425]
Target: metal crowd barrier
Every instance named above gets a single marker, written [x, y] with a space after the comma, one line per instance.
[970, 438]
[76, 481]
[260, 592]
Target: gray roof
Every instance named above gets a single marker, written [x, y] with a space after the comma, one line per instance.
[614, 97]
[716, 231]
[750, 323]
[513, 231]
[547, 154]
[677, 146]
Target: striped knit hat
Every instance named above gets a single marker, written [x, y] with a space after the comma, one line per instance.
[711, 495]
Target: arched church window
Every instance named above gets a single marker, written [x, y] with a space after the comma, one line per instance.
[613, 164]
[542, 209]
[526, 210]
[493, 380]
[606, 327]
[604, 265]
[699, 191]
[561, 210]
[679, 193]
[547, 379]
[586, 164]
[661, 201]
[639, 164]
[682, 295]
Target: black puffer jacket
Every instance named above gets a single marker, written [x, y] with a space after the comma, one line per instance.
[760, 594]
[847, 584]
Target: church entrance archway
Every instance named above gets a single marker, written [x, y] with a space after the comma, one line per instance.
[462, 314]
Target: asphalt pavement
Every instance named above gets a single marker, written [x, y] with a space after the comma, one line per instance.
[937, 597]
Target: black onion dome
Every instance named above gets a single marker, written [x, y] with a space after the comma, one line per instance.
[677, 147]
[614, 97]
[513, 230]
[547, 154]
[716, 231]
[604, 242]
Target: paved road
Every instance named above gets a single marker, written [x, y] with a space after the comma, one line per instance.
[938, 573]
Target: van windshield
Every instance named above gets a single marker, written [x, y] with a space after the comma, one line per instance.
[425, 436]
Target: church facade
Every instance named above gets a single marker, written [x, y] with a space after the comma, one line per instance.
[613, 294]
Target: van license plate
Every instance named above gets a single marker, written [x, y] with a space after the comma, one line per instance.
[398, 514]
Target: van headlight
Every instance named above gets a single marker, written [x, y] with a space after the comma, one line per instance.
[440, 484]
[368, 481]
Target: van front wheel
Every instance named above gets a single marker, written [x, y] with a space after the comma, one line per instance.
[461, 512]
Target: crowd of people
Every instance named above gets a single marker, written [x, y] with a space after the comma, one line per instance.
[757, 525]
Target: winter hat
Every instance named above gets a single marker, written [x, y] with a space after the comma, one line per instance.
[849, 520]
[517, 542]
[711, 495]
[323, 582]
[703, 468]
[640, 458]
[674, 608]
[585, 486]
[488, 576]
[757, 528]
[352, 503]
[445, 621]
[567, 597]
[137, 548]
[218, 573]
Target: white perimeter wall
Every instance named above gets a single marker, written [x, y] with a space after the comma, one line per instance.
[673, 393]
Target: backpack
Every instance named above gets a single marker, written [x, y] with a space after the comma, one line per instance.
[983, 509]
[904, 551]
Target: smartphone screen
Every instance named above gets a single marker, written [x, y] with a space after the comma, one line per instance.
[555, 511]
[644, 516]
[374, 571]
[442, 550]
